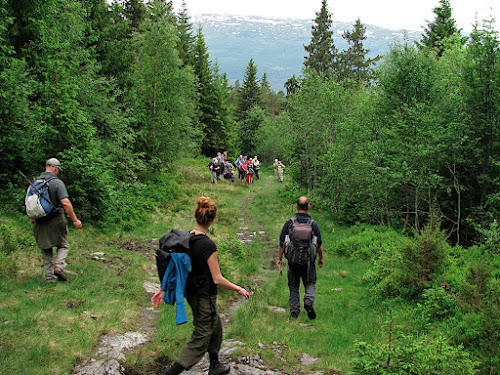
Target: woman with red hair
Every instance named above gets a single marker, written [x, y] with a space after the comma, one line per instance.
[201, 293]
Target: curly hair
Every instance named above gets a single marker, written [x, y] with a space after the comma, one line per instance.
[206, 211]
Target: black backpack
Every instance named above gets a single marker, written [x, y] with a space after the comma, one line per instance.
[300, 246]
[175, 241]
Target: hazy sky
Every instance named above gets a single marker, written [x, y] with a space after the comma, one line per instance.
[394, 14]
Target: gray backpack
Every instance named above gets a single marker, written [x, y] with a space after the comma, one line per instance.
[300, 243]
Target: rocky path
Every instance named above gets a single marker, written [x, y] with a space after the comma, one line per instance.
[112, 350]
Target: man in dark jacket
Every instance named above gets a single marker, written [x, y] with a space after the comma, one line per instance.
[52, 231]
[305, 272]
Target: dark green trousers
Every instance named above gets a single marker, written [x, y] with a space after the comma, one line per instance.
[207, 334]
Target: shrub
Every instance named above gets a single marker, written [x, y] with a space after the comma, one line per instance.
[369, 242]
[474, 277]
[8, 239]
[130, 203]
[438, 303]
[12, 240]
[424, 355]
[410, 269]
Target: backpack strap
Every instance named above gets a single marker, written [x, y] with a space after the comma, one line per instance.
[293, 220]
[46, 181]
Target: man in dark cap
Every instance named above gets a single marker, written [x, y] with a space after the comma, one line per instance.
[52, 231]
[306, 235]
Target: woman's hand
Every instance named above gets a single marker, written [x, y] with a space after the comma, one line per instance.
[157, 298]
[243, 292]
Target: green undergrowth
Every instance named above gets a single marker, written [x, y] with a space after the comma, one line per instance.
[48, 329]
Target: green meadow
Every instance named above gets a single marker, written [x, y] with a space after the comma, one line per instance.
[47, 329]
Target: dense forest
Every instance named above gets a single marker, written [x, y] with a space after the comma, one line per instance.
[121, 91]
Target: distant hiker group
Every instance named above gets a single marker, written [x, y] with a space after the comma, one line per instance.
[248, 168]
[220, 166]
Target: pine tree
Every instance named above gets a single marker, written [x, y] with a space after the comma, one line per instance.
[354, 64]
[441, 30]
[113, 34]
[249, 93]
[292, 85]
[209, 100]
[269, 99]
[135, 12]
[322, 52]
[185, 32]
[164, 93]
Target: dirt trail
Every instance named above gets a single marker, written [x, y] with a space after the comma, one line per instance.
[112, 350]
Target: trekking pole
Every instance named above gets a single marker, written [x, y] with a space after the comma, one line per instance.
[34, 187]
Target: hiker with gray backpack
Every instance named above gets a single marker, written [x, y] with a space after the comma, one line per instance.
[46, 202]
[300, 242]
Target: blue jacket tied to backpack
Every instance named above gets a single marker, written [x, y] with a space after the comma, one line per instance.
[174, 284]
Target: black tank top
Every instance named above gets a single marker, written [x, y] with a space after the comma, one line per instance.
[200, 280]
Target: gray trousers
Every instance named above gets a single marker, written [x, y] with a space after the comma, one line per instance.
[207, 334]
[295, 274]
[49, 261]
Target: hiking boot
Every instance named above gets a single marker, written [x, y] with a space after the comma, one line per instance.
[294, 315]
[175, 369]
[219, 369]
[310, 310]
[60, 274]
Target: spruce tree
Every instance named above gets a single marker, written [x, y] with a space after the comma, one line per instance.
[292, 85]
[164, 92]
[249, 93]
[22, 14]
[354, 64]
[185, 32]
[63, 70]
[322, 53]
[112, 33]
[223, 93]
[440, 30]
[209, 111]
[269, 98]
[135, 12]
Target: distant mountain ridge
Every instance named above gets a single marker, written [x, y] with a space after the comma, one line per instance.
[277, 44]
